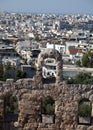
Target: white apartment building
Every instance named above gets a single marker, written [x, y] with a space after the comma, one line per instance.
[49, 68]
[60, 47]
[12, 61]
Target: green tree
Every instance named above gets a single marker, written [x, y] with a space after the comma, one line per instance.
[78, 63]
[5, 76]
[20, 74]
[8, 66]
[48, 105]
[1, 71]
[87, 59]
[84, 109]
[81, 78]
[37, 38]
[11, 104]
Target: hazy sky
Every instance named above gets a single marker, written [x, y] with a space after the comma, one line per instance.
[48, 6]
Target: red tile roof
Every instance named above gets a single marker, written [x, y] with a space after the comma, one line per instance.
[73, 50]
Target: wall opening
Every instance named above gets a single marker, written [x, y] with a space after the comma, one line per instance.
[49, 70]
[52, 54]
[84, 112]
[48, 110]
[10, 112]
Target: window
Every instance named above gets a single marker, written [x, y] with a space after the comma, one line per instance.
[84, 112]
[48, 110]
[11, 111]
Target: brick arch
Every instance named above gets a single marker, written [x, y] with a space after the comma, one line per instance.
[51, 53]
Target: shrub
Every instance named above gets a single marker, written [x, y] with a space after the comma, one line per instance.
[11, 104]
[84, 109]
[48, 106]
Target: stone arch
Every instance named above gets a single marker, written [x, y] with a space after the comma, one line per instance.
[51, 53]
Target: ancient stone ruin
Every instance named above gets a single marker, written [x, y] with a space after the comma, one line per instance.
[30, 92]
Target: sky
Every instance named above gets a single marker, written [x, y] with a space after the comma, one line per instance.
[48, 6]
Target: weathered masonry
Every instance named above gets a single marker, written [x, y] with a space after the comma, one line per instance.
[67, 102]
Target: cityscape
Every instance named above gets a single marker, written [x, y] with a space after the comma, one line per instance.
[46, 66]
[24, 36]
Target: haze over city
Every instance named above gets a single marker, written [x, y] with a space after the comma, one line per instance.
[46, 64]
[48, 6]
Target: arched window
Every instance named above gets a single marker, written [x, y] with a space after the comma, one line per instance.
[49, 70]
[84, 112]
[48, 110]
[10, 111]
[57, 69]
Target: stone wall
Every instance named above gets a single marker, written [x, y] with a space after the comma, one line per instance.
[66, 99]
[30, 92]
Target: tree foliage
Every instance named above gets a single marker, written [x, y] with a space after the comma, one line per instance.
[3, 74]
[48, 106]
[5, 69]
[86, 60]
[20, 74]
[81, 78]
[11, 104]
[84, 109]
[37, 38]
[8, 66]
[1, 71]
[78, 63]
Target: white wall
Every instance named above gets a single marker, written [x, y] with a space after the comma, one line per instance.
[59, 47]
